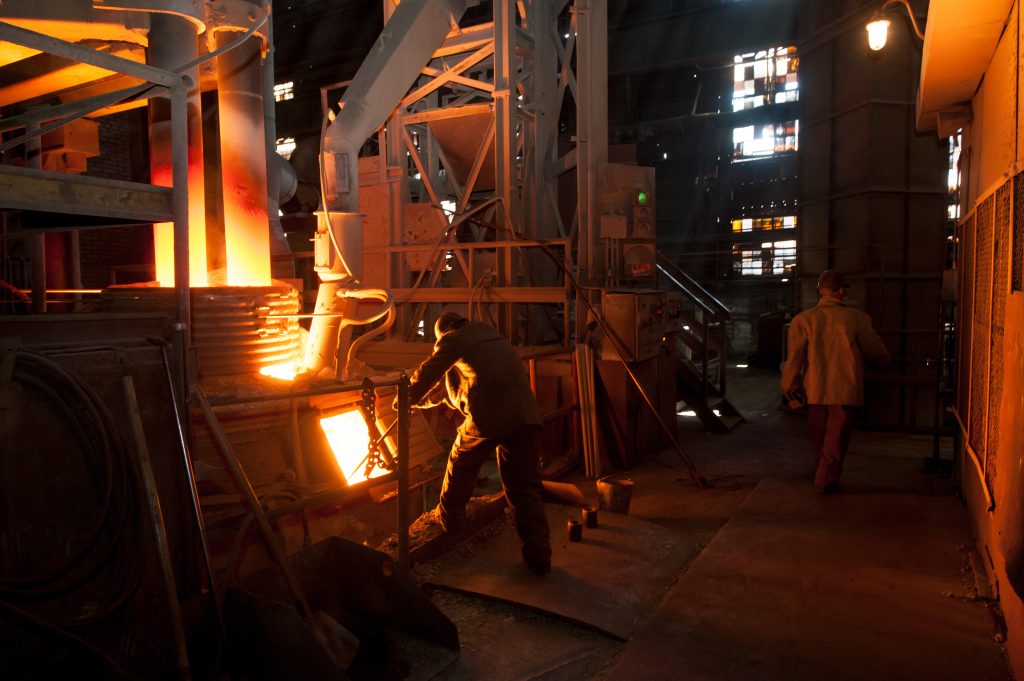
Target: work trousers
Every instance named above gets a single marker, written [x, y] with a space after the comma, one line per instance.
[519, 466]
[829, 426]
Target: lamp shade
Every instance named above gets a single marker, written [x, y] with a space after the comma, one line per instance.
[878, 32]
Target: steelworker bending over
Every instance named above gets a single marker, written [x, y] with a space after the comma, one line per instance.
[486, 382]
[827, 347]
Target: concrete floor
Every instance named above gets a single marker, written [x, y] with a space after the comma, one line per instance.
[758, 578]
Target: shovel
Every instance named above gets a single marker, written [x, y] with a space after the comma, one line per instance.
[337, 641]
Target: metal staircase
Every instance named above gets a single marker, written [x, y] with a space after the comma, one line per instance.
[700, 347]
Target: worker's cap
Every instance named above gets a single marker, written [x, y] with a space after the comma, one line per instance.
[832, 280]
[446, 322]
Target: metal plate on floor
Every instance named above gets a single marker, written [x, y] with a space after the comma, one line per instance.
[613, 580]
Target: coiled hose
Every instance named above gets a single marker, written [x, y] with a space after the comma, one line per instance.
[110, 545]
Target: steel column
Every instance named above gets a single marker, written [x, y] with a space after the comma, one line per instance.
[37, 242]
[243, 162]
[179, 205]
[173, 43]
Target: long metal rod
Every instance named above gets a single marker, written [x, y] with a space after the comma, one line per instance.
[186, 455]
[312, 392]
[62, 48]
[144, 467]
[403, 472]
[242, 480]
[79, 106]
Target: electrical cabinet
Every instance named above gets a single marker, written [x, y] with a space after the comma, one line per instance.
[636, 318]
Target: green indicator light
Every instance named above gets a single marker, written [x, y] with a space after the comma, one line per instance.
[641, 197]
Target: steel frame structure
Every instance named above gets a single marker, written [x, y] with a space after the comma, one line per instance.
[89, 196]
[535, 74]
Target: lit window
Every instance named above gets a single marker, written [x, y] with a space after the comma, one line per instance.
[285, 146]
[953, 181]
[283, 91]
[766, 77]
[741, 225]
[761, 141]
[773, 258]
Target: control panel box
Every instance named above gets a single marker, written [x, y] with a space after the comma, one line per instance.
[637, 320]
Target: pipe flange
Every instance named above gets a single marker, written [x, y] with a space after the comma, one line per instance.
[236, 16]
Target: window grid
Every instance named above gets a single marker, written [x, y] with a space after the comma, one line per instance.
[765, 77]
[284, 91]
[762, 141]
[741, 225]
[773, 258]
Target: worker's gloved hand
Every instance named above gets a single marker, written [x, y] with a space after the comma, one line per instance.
[796, 398]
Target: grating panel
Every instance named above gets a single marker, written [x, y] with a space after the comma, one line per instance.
[965, 322]
[982, 316]
[1000, 274]
[1017, 268]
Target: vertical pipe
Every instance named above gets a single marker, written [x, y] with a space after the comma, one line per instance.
[180, 207]
[278, 243]
[37, 242]
[172, 43]
[403, 471]
[76, 263]
[243, 162]
[706, 350]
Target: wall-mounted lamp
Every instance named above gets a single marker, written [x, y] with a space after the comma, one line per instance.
[878, 27]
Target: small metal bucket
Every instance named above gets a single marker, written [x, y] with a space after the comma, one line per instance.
[614, 493]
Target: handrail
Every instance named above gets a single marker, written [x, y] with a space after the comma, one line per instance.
[690, 294]
[678, 273]
[714, 314]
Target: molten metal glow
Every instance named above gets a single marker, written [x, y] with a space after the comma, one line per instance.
[349, 439]
[878, 33]
[163, 232]
[286, 371]
[246, 227]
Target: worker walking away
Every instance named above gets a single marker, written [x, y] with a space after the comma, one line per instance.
[827, 348]
[485, 380]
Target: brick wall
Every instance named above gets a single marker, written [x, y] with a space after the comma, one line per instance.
[107, 254]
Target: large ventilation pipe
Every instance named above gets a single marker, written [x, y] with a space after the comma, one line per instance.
[243, 161]
[172, 43]
[408, 40]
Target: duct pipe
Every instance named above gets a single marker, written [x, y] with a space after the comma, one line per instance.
[407, 42]
[243, 162]
[287, 179]
[172, 43]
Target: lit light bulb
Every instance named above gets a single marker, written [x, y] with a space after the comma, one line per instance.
[878, 33]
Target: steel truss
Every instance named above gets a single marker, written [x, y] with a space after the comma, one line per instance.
[463, 203]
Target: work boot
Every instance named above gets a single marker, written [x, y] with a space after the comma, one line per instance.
[537, 559]
[539, 568]
[828, 488]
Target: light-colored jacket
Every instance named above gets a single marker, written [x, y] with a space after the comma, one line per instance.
[485, 380]
[827, 347]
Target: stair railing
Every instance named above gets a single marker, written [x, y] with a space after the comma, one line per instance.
[712, 318]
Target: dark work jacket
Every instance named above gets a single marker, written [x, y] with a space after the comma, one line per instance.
[485, 380]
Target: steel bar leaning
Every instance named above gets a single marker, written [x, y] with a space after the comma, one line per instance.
[144, 468]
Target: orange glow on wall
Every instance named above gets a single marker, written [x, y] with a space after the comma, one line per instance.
[349, 439]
